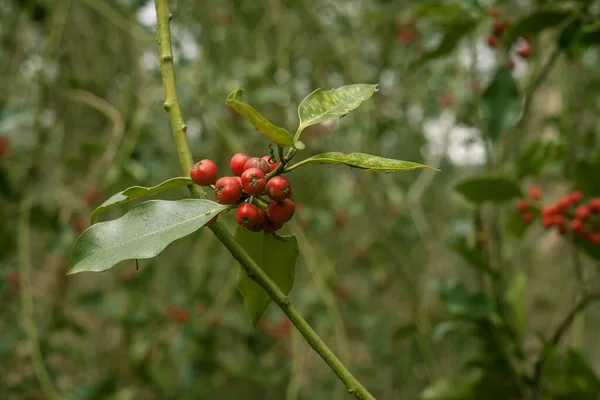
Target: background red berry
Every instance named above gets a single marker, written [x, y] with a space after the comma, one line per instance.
[204, 173]
[524, 51]
[535, 193]
[492, 40]
[522, 205]
[228, 190]
[237, 163]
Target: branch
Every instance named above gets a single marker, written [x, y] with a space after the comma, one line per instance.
[163, 17]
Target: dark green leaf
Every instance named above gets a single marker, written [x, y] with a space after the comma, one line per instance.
[136, 192]
[474, 258]
[143, 232]
[452, 36]
[488, 188]
[592, 250]
[591, 35]
[322, 106]
[535, 157]
[277, 256]
[274, 133]
[501, 103]
[535, 23]
[569, 33]
[363, 161]
[462, 303]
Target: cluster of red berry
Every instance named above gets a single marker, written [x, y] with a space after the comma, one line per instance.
[4, 147]
[249, 181]
[498, 29]
[567, 213]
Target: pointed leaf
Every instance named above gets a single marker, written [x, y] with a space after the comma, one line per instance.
[277, 256]
[322, 106]
[274, 133]
[363, 161]
[535, 23]
[136, 192]
[143, 232]
[488, 188]
[501, 103]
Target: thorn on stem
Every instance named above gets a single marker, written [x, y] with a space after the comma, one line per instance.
[167, 57]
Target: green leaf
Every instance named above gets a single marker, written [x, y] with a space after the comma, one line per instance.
[452, 36]
[277, 256]
[321, 106]
[592, 250]
[488, 188]
[535, 23]
[591, 35]
[274, 133]
[473, 257]
[516, 298]
[363, 161]
[463, 303]
[535, 157]
[136, 192]
[501, 103]
[143, 232]
[459, 388]
[569, 33]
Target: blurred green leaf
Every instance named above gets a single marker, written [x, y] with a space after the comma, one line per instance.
[592, 250]
[363, 161]
[274, 133]
[143, 232]
[136, 192]
[516, 298]
[535, 23]
[591, 35]
[277, 256]
[453, 33]
[569, 33]
[322, 106]
[501, 103]
[461, 302]
[445, 328]
[535, 157]
[494, 189]
[474, 258]
[459, 388]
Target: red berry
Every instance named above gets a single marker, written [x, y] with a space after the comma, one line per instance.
[535, 193]
[4, 147]
[278, 188]
[522, 205]
[577, 225]
[549, 210]
[492, 40]
[91, 196]
[499, 27]
[527, 218]
[524, 51]
[237, 163]
[253, 181]
[594, 205]
[259, 163]
[239, 179]
[547, 221]
[576, 196]
[582, 212]
[564, 203]
[558, 220]
[272, 226]
[204, 173]
[494, 12]
[594, 238]
[562, 230]
[511, 64]
[271, 162]
[228, 190]
[251, 217]
[281, 212]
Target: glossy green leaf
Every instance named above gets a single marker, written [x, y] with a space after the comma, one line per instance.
[277, 256]
[274, 133]
[322, 106]
[143, 232]
[488, 188]
[535, 23]
[453, 33]
[136, 192]
[501, 103]
[363, 161]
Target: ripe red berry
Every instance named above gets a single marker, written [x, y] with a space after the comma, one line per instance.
[594, 238]
[527, 218]
[271, 162]
[259, 163]
[281, 212]
[576, 196]
[499, 27]
[204, 173]
[253, 181]
[549, 210]
[547, 221]
[577, 225]
[582, 212]
[535, 193]
[228, 190]
[91, 196]
[237, 163]
[524, 51]
[564, 202]
[251, 217]
[558, 219]
[492, 40]
[272, 226]
[494, 12]
[594, 205]
[278, 188]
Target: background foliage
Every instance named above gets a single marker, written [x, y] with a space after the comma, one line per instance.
[425, 284]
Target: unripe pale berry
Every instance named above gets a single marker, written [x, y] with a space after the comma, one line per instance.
[281, 212]
[228, 190]
[204, 173]
[253, 181]
[259, 163]
[278, 188]
[237, 163]
[271, 162]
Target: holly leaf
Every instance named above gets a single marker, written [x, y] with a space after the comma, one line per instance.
[136, 192]
[277, 256]
[274, 133]
[488, 188]
[144, 232]
[535, 23]
[322, 106]
[500, 103]
[453, 33]
[363, 161]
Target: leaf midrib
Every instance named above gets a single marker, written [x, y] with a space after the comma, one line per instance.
[307, 122]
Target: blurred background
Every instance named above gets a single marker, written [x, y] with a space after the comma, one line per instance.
[421, 292]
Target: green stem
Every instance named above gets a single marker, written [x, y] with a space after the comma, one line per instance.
[251, 267]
